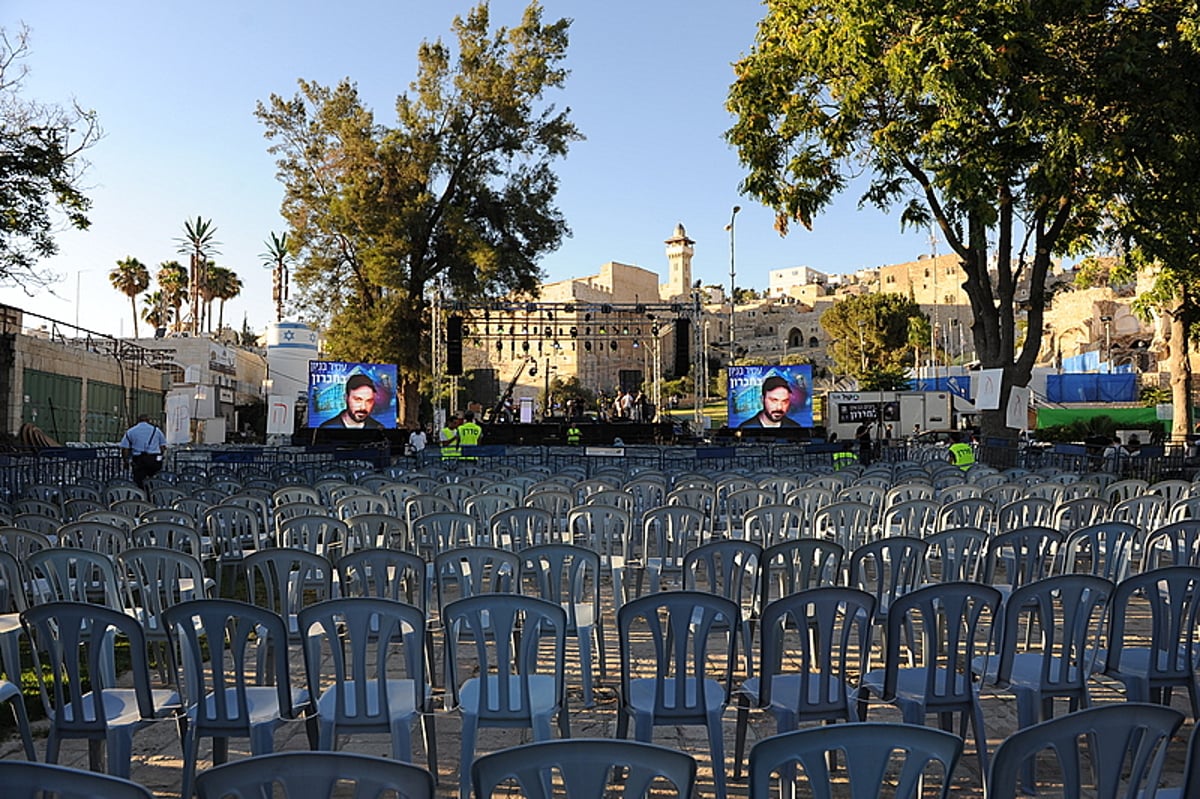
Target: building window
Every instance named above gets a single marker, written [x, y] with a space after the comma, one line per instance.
[814, 342]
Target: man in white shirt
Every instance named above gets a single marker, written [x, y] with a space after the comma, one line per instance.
[143, 447]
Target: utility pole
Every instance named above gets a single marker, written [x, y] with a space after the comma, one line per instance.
[732, 282]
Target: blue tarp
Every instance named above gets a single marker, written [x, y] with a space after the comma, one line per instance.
[1091, 388]
[1083, 362]
[958, 385]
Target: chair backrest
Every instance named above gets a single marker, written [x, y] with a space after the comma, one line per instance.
[848, 523]
[318, 533]
[943, 630]
[74, 660]
[68, 574]
[1174, 544]
[823, 636]
[1172, 597]
[1125, 742]
[25, 780]
[373, 530]
[956, 554]
[510, 638]
[154, 579]
[362, 643]
[798, 565]
[888, 568]
[1103, 549]
[442, 531]
[292, 775]
[222, 647]
[234, 529]
[603, 530]
[728, 568]
[1062, 618]
[96, 536]
[168, 535]
[470, 571]
[568, 576]
[588, 768]
[688, 632]
[386, 574]
[1020, 556]
[285, 580]
[668, 532]
[518, 528]
[870, 750]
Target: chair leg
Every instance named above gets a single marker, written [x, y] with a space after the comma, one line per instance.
[18, 706]
[584, 637]
[716, 744]
[739, 746]
[430, 735]
[470, 725]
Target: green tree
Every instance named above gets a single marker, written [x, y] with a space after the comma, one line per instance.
[131, 278]
[200, 245]
[869, 332]
[41, 170]
[457, 199]
[223, 285]
[998, 123]
[156, 311]
[172, 280]
[278, 258]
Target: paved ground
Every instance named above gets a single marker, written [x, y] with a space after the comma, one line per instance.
[158, 756]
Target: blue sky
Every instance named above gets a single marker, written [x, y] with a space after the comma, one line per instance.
[175, 87]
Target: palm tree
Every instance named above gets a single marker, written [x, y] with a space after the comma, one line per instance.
[224, 284]
[277, 257]
[155, 309]
[130, 278]
[199, 244]
[172, 280]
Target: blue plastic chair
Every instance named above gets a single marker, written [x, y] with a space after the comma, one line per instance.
[11, 692]
[955, 555]
[286, 580]
[870, 752]
[72, 646]
[729, 568]
[316, 775]
[587, 768]
[1020, 556]
[688, 631]
[234, 532]
[1105, 550]
[1126, 744]
[799, 564]
[1175, 544]
[1190, 788]
[934, 637]
[517, 645]
[517, 529]
[667, 534]
[67, 574]
[375, 648]
[470, 571]
[1171, 657]
[888, 568]
[569, 576]
[814, 643]
[23, 780]
[238, 700]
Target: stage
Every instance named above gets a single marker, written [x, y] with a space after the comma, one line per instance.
[549, 433]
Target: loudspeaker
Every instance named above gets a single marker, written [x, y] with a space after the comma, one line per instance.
[454, 342]
[683, 341]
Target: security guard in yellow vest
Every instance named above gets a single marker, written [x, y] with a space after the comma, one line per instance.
[469, 434]
[845, 456]
[961, 453]
[574, 435]
[449, 440]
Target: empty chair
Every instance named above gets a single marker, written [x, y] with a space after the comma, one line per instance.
[569, 576]
[688, 632]
[519, 528]
[1103, 549]
[934, 637]
[915, 518]
[316, 775]
[375, 531]
[955, 555]
[234, 532]
[872, 752]
[1147, 512]
[1025, 512]
[1121, 490]
[285, 580]
[799, 565]
[1174, 544]
[975, 512]
[470, 571]
[376, 680]
[354, 504]
[666, 536]
[588, 768]
[850, 524]
[67, 574]
[514, 644]
[234, 677]
[442, 531]
[1123, 746]
[1150, 669]
[767, 525]
[100, 537]
[888, 568]
[168, 535]
[1020, 556]
[814, 645]
[22, 780]
[320, 534]
[73, 650]
[1074, 514]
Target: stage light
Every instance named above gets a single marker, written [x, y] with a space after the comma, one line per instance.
[533, 369]
[654, 329]
[549, 332]
[612, 345]
[625, 330]
[499, 345]
[636, 344]
[574, 332]
[603, 331]
[525, 346]
[587, 331]
[587, 345]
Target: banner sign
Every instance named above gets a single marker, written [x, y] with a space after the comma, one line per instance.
[351, 395]
[770, 396]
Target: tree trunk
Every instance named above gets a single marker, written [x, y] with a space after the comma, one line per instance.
[1180, 367]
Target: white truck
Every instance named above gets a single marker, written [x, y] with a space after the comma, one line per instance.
[844, 411]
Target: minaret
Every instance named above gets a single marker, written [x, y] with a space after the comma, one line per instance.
[679, 264]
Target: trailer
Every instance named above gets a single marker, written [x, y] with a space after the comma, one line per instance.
[907, 412]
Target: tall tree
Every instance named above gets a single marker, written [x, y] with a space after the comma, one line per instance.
[200, 245]
[172, 280]
[870, 332]
[156, 311]
[41, 169]
[278, 258]
[131, 278]
[994, 121]
[457, 198]
[223, 285]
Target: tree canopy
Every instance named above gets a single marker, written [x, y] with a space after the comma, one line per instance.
[870, 333]
[1003, 125]
[41, 168]
[458, 196]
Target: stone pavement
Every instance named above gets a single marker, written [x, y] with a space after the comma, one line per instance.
[158, 758]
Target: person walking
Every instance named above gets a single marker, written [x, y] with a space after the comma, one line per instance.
[143, 447]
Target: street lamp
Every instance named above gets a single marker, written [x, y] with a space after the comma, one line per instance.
[1107, 320]
[862, 347]
[732, 281]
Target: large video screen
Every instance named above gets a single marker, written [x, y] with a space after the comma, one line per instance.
[766, 397]
[351, 396]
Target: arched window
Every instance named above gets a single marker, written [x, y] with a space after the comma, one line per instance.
[814, 342]
[795, 338]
